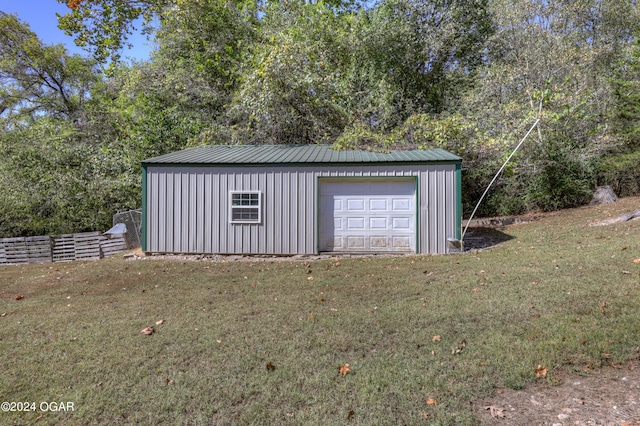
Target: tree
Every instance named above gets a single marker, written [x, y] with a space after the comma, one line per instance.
[62, 161]
[38, 79]
[293, 87]
[561, 54]
[103, 26]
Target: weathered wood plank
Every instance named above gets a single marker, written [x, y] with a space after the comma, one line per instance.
[114, 245]
[38, 249]
[16, 251]
[12, 239]
[3, 256]
[87, 245]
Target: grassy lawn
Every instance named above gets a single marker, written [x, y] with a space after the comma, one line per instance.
[261, 342]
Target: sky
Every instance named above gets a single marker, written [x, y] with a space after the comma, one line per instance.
[41, 17]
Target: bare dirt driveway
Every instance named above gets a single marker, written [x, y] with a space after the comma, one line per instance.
[608, 396]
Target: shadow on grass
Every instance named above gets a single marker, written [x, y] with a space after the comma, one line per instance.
[483, 237]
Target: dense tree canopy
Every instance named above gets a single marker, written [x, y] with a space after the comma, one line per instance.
[466, 75]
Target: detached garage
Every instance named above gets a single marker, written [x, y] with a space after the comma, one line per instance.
[302, 199]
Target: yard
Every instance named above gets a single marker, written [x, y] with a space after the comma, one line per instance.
[426, 338]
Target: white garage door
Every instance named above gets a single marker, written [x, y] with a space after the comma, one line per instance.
[377, 215]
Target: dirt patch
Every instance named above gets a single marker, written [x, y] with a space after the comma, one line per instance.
[609, 396]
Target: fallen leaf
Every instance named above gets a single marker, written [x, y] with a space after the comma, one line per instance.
[147, 331]
[436, 338]
[160, 322]
[460, 348]
[540, 371]
[425, 415]
[19, 297]
[337, 263]
[431, 401]
[270, 366]
[344, 369]
[496, 412]
[603, 306]
[351, 413]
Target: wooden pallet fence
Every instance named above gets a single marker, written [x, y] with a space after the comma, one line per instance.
[64, 248]
[114, 245]
[21, 250]
[38, 249]
[15, 250]
[60, 248]
[87, 245]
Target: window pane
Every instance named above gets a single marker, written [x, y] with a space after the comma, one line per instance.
[245, 199]
[248, 214]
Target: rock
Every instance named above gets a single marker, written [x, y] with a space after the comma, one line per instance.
[603, 195]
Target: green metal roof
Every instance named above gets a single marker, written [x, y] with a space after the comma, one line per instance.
[298, 154]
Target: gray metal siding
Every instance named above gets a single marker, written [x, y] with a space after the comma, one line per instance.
[188, 207]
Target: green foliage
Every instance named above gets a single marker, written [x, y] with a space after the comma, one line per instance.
[102, 26]
[563, 181]
[38, 79]
[293, 90]
[57, 183]
[620, 171]
[626, 89]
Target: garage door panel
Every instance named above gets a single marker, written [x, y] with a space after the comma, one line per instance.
[380, 242]
[378, 204]
[355, 242]
[378, 223]
[355, 223]
[401, 223]
[401, 242]
[401, 204]
[367, 215]
[355, 205]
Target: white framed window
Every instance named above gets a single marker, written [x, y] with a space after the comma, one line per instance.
[245, 206]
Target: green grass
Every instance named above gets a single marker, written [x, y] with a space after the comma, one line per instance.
[535, 299]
